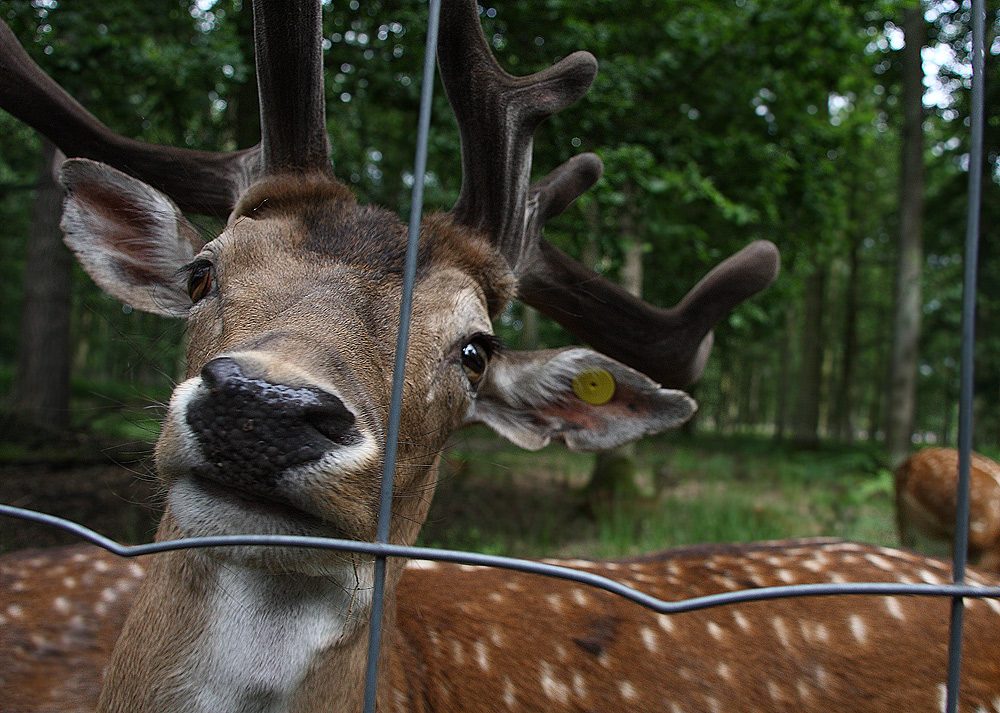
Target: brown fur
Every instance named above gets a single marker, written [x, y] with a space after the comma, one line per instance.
[468, 638]
[926, 502]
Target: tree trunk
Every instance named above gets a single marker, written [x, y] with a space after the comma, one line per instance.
[781, 403]
[844, 400]
[809, 397]
[41, 383]
[902, 381]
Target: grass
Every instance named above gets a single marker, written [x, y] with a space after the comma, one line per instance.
[497, 499]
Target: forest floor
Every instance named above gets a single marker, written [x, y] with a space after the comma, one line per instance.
[498, 499]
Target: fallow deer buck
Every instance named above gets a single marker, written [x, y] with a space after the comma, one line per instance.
[926, 502]
[280, 429]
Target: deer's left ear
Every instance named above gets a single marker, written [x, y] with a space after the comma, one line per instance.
[130, 238]
[576, 395]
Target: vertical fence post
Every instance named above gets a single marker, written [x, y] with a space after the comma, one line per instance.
[396, 402]
[965, 420]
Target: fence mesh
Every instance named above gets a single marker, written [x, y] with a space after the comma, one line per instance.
[380, 550]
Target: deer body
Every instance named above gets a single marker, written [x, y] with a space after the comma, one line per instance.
[926, 497]
[476, 639]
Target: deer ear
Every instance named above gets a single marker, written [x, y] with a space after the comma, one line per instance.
[130, 238]
[579, 396]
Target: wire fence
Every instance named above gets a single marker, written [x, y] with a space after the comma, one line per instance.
[381, 550]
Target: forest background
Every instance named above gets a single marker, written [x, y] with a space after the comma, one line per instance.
[718, 123]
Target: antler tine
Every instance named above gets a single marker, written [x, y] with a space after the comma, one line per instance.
[670, 346]
[497, 115]
[289, 54]
[198, 181]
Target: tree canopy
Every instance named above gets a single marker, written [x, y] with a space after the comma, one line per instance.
[718, 123]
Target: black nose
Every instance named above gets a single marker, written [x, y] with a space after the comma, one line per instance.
[251, 430]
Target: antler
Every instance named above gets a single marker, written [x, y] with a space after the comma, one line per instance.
[290, 80]
[288, 47]
[497, 115]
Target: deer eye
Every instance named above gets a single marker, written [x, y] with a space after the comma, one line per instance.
[476, 356]
[200, 280]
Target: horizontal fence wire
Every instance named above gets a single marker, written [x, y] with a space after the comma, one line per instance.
[476, 559]
[958, 590]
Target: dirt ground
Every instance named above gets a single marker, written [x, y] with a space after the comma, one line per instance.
[110, 490]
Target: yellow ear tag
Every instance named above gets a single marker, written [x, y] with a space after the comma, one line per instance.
[594, 386]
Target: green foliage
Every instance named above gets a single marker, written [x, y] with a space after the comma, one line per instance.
[718, 123]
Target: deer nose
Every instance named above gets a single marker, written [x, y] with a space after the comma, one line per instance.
[251, 430]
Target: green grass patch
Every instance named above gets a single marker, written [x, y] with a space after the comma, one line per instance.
[499, 499]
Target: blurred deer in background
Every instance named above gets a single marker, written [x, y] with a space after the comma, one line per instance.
[280, 429]
[926, 497]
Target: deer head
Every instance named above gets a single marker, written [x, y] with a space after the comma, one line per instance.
[293, 313]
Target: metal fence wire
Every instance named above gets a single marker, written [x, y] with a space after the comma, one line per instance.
[381, 550]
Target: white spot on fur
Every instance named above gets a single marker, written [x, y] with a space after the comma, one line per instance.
[859, 629]
[881, 562]
[15, 611]
[552, 688]
[579, 685]
[715, 630]
[781, 629]
[457, 654]
[649, 639]
[101, 566]
[61, 605]
[665, 623]
[508, 693]
[628, 690]
[481, 656]
[725, 673]
[555, 602]
[741, 620]
[929, 577]
[895, 608]
[421, 564]
[822, 677]
[579, 597]
[496, 597]
[496, 636]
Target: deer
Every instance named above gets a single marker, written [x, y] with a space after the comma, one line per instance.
[280, 428]
[926, 492]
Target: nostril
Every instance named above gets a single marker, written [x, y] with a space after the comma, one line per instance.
[333, 420]
[220, 370]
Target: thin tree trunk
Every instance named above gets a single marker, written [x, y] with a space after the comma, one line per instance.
[41, 382]
[781, 406]
[902, 382]
[809, 396]
[844, 400]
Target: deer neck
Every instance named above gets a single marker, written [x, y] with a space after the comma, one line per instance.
[208, 636]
